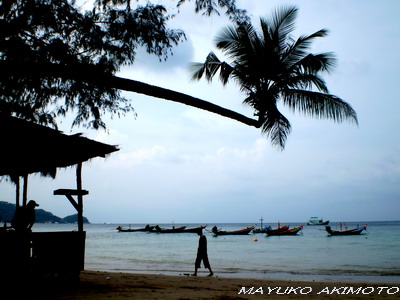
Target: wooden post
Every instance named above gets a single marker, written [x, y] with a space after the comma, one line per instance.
[25, 191]
[17, 192]
[80, 197]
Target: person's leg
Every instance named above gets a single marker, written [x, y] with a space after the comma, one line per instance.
[197, 264]
[207, 264]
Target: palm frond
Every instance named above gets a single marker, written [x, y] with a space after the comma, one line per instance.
[304, 81]
[210, 67]
[197, 71]
[282, 24]
[212, 64]
[304, 41]
[225, 72]
[237, 42]
[315, 63]
[228, 38]
[297, 49]
[319, 105]
[276, 127]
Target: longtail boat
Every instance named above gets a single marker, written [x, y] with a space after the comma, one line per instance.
[262, 229]
[276, 230]
[147, 228]
[169, 230]
[244, 231]
[355, 231]
[279, 232]
[195, 229]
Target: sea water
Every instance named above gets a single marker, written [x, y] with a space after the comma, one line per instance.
[373, 256]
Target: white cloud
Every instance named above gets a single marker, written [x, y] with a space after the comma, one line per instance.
[153, 155]
[111, 136]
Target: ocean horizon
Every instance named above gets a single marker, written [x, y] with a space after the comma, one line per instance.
[311, 255]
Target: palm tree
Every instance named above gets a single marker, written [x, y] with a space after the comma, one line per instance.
[271, 66]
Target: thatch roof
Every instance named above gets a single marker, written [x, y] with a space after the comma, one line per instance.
[27, 148]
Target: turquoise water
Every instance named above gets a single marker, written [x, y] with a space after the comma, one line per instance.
[313, 255]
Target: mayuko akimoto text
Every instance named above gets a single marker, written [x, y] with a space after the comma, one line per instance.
[306, 290]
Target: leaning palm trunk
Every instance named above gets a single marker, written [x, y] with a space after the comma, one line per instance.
[271, 66]
[90, 75]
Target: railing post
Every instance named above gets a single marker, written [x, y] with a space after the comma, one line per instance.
[80, 196]
[17, 192]
[25, 190]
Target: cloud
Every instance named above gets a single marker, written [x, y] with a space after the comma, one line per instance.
[111, 136]
[241, 156]
[154, 155]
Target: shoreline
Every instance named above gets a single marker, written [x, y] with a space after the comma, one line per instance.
[271, 276]
[94, 285]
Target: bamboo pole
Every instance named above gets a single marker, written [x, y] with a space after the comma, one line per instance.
[17, 192]
[25, 190]
[80, 196]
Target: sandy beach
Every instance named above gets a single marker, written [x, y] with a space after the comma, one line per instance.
[95, 285]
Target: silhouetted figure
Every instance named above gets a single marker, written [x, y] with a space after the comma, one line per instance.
[24, 217]
[202, 255]
[4, 228]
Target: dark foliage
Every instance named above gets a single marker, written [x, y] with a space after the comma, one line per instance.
[74, 219]
[57, 58]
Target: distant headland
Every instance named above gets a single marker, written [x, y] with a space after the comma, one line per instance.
[7, 212]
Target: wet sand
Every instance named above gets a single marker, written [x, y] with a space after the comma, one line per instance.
[95, 285]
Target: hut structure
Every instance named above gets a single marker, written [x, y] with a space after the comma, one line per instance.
[27, 148]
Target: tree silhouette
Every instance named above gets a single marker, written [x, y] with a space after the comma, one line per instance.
[271, 66]
[56, 58]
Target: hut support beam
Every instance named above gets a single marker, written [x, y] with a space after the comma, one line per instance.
[25, 191]
[76, 204]
[73, 202]
[17, 192]
[80, 196]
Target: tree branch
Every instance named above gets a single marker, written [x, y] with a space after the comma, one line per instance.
[93, 75]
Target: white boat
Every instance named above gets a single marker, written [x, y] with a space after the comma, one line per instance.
[317, 221]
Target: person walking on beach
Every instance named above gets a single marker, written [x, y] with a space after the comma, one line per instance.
[24, 217]
[202, 255]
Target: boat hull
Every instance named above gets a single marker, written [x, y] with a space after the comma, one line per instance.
[198, 230]
[171, 230]
[356, 231]
[318, 223]
[146, 229]
[284, 231]
[235, 232]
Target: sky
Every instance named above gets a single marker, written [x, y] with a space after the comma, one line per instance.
[183, 165]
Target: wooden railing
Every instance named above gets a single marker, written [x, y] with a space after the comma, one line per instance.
[42, 253]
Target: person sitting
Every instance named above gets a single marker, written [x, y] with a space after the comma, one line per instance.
[24, 217]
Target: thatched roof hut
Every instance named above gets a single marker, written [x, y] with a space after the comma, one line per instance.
[30, 148]
[27, 148]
